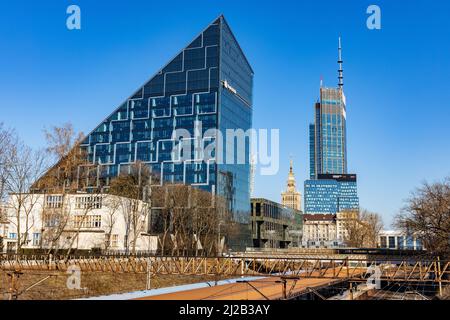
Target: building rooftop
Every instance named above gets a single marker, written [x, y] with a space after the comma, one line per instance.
[318, 217]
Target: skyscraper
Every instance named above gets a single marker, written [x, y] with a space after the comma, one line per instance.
[291, 198]
[328, 145]
[330, 188]
[207, 85]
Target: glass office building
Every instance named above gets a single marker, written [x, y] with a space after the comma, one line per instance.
[330, 194]
[330, 188]
[207, 85]
[328, 151]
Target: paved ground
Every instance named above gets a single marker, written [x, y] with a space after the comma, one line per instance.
[270, 288]
[243, 291]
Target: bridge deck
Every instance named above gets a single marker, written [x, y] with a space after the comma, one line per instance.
[263, 289]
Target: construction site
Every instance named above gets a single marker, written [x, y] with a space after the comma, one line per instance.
[303, 275]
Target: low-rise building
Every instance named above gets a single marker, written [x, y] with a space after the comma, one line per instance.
[398, 240]
[77, 221]
[275, 225]
[319, 231]
[326, 230]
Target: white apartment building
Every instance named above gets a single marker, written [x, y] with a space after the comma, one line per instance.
[319, 231]
[80, 221]
[326, 230]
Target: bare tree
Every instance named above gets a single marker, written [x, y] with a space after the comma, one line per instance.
[64, 148]
[69, 174]
[362, 229]
[23, 167]
[90, 202]
[6, 146]
[427, 216]
[55, 221]
[62, 140]
[112, 203]
[188, 220]
[131, 188]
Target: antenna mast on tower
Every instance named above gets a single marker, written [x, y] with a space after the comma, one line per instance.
[340, 62]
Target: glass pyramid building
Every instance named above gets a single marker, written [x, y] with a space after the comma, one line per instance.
[207, 85]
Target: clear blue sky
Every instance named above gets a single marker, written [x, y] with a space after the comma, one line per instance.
[396, 79]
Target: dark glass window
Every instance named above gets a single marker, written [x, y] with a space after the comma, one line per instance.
[182, 105]
[258, 209]
[194, 59]
[198, 80]
[155, 87]
[175, 65]
[391, 242]
[139, 109]
[196, 43]
[212, 56]
[176, 82]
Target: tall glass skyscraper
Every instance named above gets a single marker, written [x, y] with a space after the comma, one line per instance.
[328, 151]
[207, 85]
[330, 189]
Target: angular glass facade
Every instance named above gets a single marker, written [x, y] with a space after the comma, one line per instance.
[208, 85]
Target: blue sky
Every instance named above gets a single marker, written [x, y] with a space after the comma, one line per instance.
[396, 79]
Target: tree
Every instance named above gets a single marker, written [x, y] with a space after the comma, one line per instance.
[70, 173]
[67, 174]
[427, 216]
[6, 146]
[188, 220]
[62, 140]
[23, 167]
[132, 188]
[113, 204]
[361, 228]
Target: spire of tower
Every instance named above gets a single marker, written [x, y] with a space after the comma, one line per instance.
[291, 197]
[340, 62]
[291, 177]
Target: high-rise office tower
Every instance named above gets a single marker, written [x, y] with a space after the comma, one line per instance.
[330, 188]
[207, 85]
[328, 145]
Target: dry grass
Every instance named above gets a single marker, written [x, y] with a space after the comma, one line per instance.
[94, 284]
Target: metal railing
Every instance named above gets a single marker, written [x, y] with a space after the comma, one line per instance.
[414, 270]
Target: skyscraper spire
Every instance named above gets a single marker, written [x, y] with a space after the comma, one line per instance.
[291, 197]
[341, 71]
